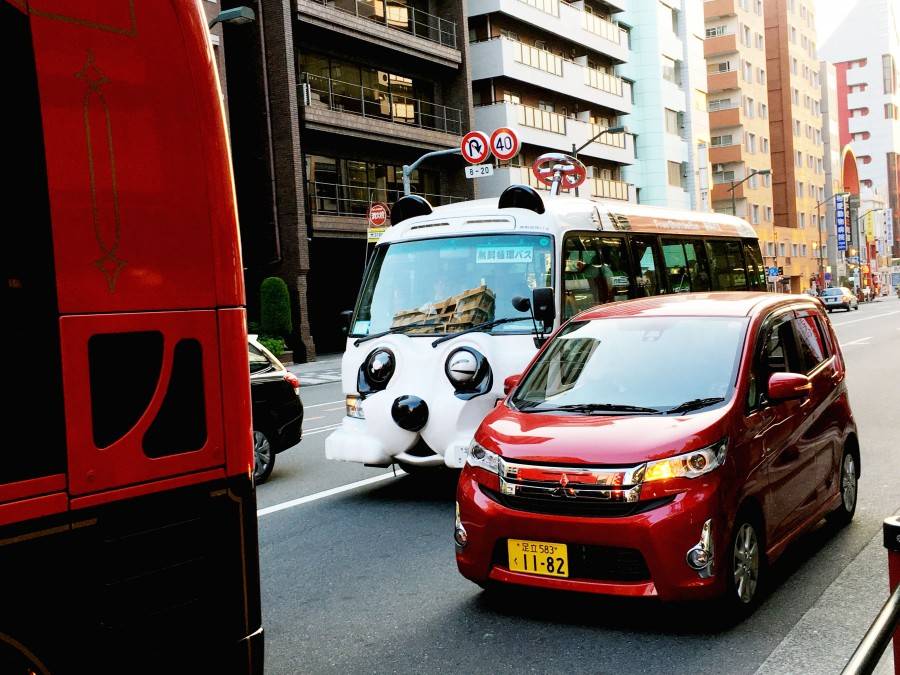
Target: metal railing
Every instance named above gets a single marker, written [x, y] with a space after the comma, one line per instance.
[714, 106]
[605, 29]
[354, 98]
[608, 189]
[336, 199]
[536, 58]
[550, 7]
[603, 81]
[541, 119]
[399, 16]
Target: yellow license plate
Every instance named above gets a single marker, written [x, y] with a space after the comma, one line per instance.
[538, 557]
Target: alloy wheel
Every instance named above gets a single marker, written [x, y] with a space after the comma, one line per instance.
[746, 563]
[262, 453]
[848, 482]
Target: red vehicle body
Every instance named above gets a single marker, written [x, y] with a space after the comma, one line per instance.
[127, 507]
[781, 470]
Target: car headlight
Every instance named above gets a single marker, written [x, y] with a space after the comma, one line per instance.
[689, 465]
[483, 458]
[354, 406]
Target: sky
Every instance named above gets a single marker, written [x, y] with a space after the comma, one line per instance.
[829, 14]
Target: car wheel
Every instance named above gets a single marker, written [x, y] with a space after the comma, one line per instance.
[849, 486]
[745, 567]
[263, 457]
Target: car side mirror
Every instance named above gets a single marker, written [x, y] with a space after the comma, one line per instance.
[511, 383]
[543, 306]
[346, 317]
[788, 386]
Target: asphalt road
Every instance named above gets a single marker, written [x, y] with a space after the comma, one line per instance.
[363, 579]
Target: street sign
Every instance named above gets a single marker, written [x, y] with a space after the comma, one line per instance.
[827, 276]
[475, 147]
[853, 259]
[378, 214]
[773, 271]
[479, 170]
[504, 143]
[840, 221]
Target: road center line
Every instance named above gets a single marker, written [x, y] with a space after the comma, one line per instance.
[327, 493]
[856, 342]
[320, 430]
[865, 318]
[319, 405]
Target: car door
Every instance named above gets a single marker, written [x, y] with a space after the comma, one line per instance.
[790, 459]
[821, 427]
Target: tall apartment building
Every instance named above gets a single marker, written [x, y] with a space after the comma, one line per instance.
[797, 147]
[835, 272]
[735, 50]
[329, 99]
[548, 69]
[669, 116]
[865, 49]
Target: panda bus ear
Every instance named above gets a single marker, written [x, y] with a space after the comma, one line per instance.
[521, 197]
[408, 207]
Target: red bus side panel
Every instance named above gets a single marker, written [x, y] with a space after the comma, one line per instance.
[141, 196]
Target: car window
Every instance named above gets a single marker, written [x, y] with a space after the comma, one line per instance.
[259, 363]
[810, 343]
[832, 291]
[777, 354]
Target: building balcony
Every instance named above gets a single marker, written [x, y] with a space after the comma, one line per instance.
[722, 81]
[351, 109]
[563, 19]
[721, 44]
[502, 57]
[387, 23]
[724, 154]
[724, 117]
[713, 9]
[596, 188]
[556, 132]
[342, 209]
[721, 192]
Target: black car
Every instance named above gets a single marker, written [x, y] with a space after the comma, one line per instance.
[277, 409]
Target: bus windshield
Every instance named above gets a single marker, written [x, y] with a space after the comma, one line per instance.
[446, 285]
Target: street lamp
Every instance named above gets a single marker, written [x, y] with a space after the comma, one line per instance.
[607, 130]
[760, 172]
[235, 16]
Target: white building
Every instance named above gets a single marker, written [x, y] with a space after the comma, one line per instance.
[865, 50]
[670, 120]
[548, 69]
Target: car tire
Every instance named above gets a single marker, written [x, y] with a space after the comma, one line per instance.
[744, 567]
[263, 457]
[848, 483]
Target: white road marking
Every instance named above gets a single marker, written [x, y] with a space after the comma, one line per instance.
[865, 318]
[340, 407]
[327, 493]
[317, 417]
[319, 405]
[862, 340]
[320, 430]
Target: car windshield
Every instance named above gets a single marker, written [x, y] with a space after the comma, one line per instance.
[446, 285]
[658, 363]
[833, 291]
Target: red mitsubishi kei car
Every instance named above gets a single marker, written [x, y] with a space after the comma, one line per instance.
[670, 447]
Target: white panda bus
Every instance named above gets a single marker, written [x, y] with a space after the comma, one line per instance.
[457, 298]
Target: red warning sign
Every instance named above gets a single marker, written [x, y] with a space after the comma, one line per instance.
[475, 147]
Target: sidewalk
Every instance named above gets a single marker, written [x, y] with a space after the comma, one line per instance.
[326, 369]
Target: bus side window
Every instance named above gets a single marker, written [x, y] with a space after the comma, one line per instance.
[595, 272]
[727, 261]
[698, 265]
[756, 271]
[645, 254]
[676, 265]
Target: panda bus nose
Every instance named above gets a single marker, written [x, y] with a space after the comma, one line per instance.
[410, 412]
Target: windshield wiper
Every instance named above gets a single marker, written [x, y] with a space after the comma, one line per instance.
[391, 331]
[589, 408]
[694, 404]
[487, 325]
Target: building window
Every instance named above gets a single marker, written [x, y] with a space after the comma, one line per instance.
[672, 126]
[721, 67]
[795, 250]
[890, 111]
[754, 213]
[795, 96]
[751, 143]
[671, 70]
[889, 73]
[769, 216]
[781, 249]
[748, 41]
[802, 223]
[764, 144]
[760, 76]
[716, 31]
[748, 71]
[749, 106]
[794, 41]
[720, 104]
[725, 139]
[674, 172]
[720, 177]
[803, 250]
[674, 20]
[763, 110]
[796, 127]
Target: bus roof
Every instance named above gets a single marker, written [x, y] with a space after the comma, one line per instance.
[566, 213]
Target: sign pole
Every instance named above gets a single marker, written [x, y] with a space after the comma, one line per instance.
[409, 168]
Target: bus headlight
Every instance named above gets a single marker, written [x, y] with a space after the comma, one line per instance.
[353, 402]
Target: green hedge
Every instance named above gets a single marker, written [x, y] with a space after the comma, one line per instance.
[275, 308]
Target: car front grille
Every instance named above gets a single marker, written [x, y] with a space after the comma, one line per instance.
[595, 563]
[573, 507]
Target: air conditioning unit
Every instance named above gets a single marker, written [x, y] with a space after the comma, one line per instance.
[306, 93]
[681, 120]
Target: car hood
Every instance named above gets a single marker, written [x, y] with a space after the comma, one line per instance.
[598, 439]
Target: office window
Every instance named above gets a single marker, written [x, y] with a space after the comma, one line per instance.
[767, 180]
[672, 122]
[889, 73]
[674, 172]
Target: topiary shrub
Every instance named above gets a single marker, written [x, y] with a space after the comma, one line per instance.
[275, 308]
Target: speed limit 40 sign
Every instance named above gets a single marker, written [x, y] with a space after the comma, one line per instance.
[504, 143]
